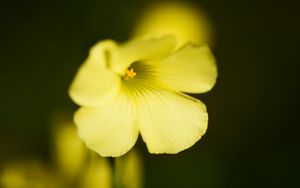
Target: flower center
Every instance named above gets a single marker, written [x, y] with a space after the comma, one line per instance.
[129, 73]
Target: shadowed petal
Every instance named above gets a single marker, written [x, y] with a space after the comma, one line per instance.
[140, 49]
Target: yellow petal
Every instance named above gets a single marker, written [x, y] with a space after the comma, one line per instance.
[140, 49]
[94, 84]
[108, 129]
[191, 69]
[186, 23]
[171, 122]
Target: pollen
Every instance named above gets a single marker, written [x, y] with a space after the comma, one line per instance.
[129, 74]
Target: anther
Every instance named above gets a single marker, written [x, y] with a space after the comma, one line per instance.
[129, 74]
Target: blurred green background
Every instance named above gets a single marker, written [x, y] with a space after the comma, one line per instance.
[253, 135]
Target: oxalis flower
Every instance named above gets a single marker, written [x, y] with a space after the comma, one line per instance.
[137, 87]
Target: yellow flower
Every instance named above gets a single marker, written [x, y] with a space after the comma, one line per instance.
[137, 87]
[129, 170]
[69, 152]
[184, 21]
[27, 174]
[97, 174]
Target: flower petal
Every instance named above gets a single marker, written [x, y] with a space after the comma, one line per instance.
[109, 129]
[170, 122]
[94, 84]
[140, 49]
[191, 69]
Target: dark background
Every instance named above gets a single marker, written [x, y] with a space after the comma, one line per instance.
[253, 135]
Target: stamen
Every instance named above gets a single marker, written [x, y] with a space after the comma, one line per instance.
[129, 74]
